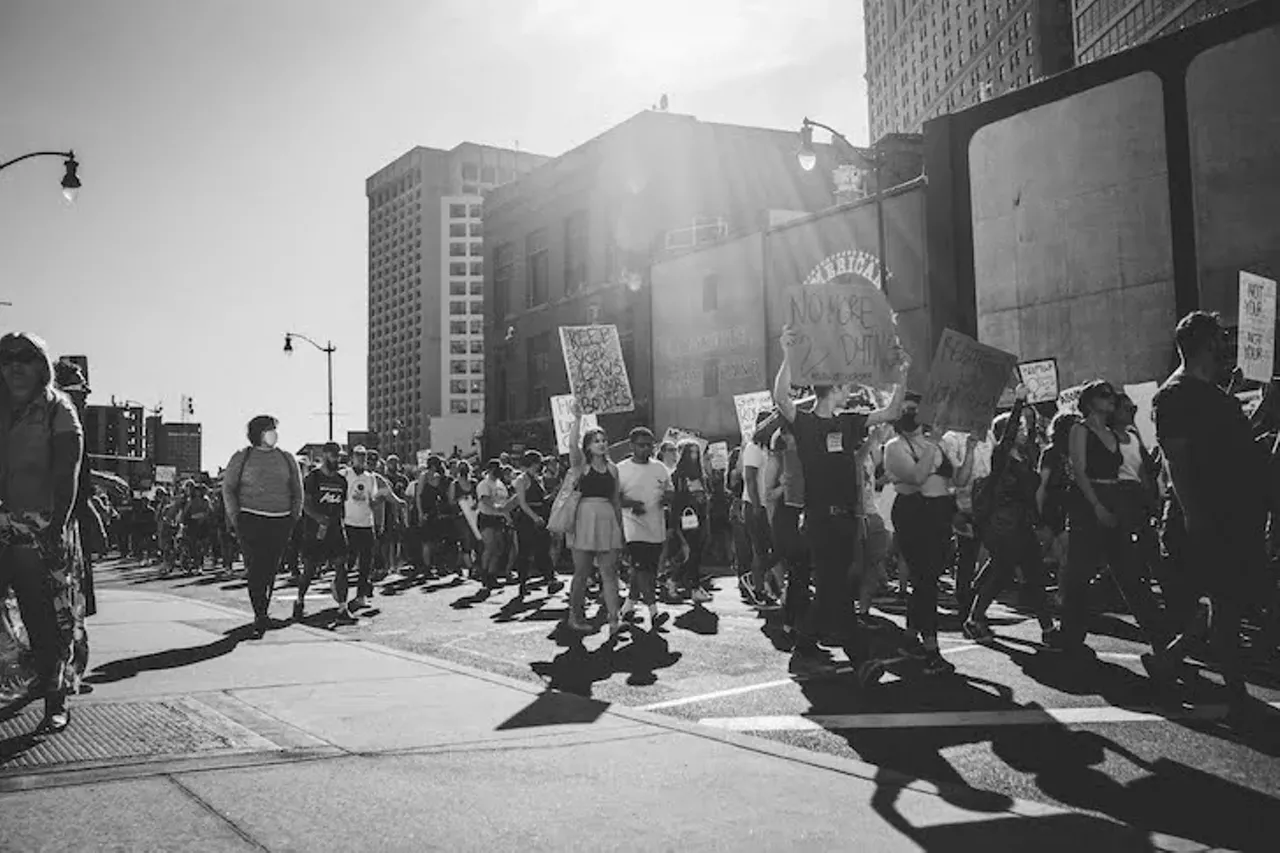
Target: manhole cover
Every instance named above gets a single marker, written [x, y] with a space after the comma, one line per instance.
[129, 730]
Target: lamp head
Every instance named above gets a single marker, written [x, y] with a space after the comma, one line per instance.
[70, 180]
[288, 343]
[806, 155]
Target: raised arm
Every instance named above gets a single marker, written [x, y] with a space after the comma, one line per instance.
[576, 457]
[893, 411]
[782, 382]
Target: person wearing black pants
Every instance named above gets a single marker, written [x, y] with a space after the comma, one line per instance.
[531, 511]
[827, 441]
[262, 493]
[689, 515]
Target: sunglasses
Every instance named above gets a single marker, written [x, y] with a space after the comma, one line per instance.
[22, 356]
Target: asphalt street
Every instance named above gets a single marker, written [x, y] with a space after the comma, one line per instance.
[1013, 721]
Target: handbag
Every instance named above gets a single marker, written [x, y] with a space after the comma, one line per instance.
[564, 511]
[689, 519]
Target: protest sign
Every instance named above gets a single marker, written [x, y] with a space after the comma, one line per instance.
[597, 372]
[1069, 398]
[749, 406]
[965, 381]
[166, 473]
[718, 455]
[1256, 347]
[422, 457]
[844, 333]
[1144, 419]
[1250, 400]
[1041, 379]
[675, 435]
[562, 415]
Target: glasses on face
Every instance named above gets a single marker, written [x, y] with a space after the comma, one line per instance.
[22, 356]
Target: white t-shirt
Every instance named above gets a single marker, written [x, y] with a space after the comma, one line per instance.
[753, 456]
[1131, 459]
[358, 511]
[647, 483]
[491, 488]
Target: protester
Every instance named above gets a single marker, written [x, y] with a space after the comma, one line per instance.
[360, 523]
[493, 496]
[435, 518]
[646, 488]
[689, 514]
[70, 380]
[596, 535]
[324, 539]
[262, 491]
[532, 508]
[1056, 485]
[462, 502]
[41, 448]
[756, 521]
[828, 440]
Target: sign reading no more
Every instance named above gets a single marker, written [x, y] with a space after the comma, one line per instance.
[845, 333]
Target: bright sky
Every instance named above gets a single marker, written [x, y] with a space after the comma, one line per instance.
[224, 147]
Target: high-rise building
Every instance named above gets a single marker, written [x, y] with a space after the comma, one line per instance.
[926, 58]
[1104, 27]
[179, 445]
[112, 432]
[426, 288]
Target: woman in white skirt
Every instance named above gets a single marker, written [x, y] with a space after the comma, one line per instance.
[596, 537]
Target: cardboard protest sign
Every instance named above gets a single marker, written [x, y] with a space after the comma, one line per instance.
[1144, 419]
[597, 373]
[718, 455]
[562, 415]
[749, 406]
[422, 457]
[1250, 400]
[845, 333]
[1069, 398]
[965, 381]
[1257, 338]
[166, 474]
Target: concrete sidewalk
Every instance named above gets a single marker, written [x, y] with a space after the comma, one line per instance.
[197, 738]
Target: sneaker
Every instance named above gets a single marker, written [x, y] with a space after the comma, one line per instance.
[977, 631]
[359, 603]
[554, 586]
[936, 664]
[345, 616]
[769, 603]
[748, 591]
[700, 596]
[868, 673]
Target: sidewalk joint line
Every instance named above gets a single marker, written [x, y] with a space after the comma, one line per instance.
[200, 801]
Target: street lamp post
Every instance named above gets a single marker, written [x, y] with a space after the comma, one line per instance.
[808, 158]
[329, 349]
[70, 180]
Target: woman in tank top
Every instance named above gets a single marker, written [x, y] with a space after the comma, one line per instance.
[1098, 529]
[596, 536]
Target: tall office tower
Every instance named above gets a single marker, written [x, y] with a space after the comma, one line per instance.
[426, 289]
[1104, 27]
[926, 58]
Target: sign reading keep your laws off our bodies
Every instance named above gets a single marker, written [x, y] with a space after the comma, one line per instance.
[597, 372]
[845, 333]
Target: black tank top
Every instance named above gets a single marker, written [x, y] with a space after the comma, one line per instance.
[535, 495]
[596, 484]
[1099, 462]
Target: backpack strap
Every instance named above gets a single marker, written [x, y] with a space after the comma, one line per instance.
[244, 460]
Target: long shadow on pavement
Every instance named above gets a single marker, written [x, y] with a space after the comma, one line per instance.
[553, 708]
[118, 670]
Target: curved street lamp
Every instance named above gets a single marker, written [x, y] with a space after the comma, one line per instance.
[329, 349]
[70, 180]
[807, 157]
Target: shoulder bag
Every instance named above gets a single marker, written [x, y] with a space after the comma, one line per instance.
[564, 511]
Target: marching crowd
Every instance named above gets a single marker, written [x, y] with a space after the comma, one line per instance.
[832, 498]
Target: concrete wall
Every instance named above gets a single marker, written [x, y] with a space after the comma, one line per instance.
[1071, 233]
[704, 355]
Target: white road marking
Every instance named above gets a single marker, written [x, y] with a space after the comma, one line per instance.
[718, 694]
[960, 719]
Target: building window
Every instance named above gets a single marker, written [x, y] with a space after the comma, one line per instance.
[477, 407]
[457, 229]
[457, 250]
[470, 172]
[477, 288]
[457, 211]
[477, 327]
[457, 347]
[457, 269]
[457, 288]
[475, 211]
[477, 347]
[458, 366]
[711, 292]
[457, 407]
[575, 251]
[477, 308]
[456, 308]
[457, 386]
[476, 386]
[504, 263]
[477, 229]
[538, 365]
[477, 267]
[536, 262]
[711, 377]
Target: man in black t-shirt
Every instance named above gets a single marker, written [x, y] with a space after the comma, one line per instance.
[827, 442]
[1215, 522]
[324, 539]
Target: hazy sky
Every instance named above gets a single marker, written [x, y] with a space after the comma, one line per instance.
[224, 147]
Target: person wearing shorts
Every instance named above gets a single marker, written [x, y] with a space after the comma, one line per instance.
[645, 487]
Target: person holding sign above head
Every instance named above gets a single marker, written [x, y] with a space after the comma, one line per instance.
[596, 535]
[827, 440]
[923, 510]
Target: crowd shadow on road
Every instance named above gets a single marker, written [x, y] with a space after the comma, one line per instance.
[554, 708]
[1064, 764]
[119, 670]
[698, 620]
[639, 654]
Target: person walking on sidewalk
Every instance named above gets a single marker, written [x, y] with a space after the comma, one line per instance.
[645, 484]
[827, 440]
[41, 444]
[531, 509]
[262, 491]
[324, 540]
[358, 519]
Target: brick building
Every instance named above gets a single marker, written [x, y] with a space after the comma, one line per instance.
[1103, 27]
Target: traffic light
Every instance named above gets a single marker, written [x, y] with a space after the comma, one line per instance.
[191, 406]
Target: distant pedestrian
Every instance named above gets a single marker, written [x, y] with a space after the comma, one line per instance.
[262, 493]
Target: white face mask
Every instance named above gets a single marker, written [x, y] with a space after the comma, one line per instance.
[270, 437]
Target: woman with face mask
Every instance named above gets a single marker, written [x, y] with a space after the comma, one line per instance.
[262, 493]
[41, 443]
[1006, 517]
[923, 509]
[596, 537]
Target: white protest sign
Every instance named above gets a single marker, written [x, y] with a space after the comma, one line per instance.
[1144, 419]
[718, 455]
[748, 407]
[1256, 351]
[562, 414]
[1069, 398]
[675, 435]
[597, 372]
[166, 473]
[1041, 379]
[423, 456]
